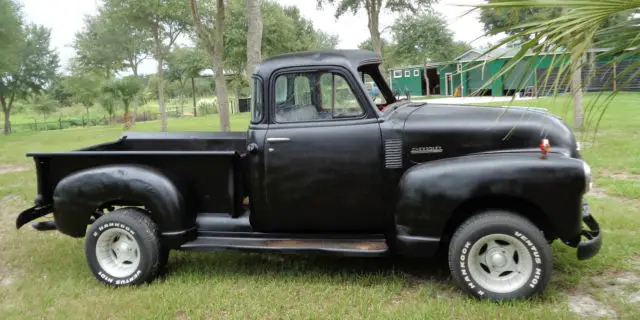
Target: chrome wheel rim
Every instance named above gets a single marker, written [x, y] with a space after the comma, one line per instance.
[117, 252]
[500, 263]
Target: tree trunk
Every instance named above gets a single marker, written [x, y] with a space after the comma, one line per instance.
[163, 110]
[135, 98]
[193, 94]
[373, 12]
[426, 79]
[576, 90]
[254, 37]
[218, 67]
[6, 109]
[7, 121]
[127, 116]
[160, 73]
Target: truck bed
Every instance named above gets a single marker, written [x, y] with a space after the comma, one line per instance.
[206, 167]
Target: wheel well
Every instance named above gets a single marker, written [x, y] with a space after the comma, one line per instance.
[517, 205]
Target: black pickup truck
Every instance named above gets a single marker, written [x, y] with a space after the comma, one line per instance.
[324, 169]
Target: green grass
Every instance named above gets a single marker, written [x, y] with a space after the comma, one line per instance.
[44, 274]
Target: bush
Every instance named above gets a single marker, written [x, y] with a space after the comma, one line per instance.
[207, 106]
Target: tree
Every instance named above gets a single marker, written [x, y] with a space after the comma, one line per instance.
[84, 85]
[254, 36]
[424, 37]
[126, 90]
[10, 35]
[109, 42]
[186, 63]
[388, 52]
[96, 47]
[373, 9]
[211, 35]
[109, 103]
[59, 91]
[576, 27]
[163, 21]
[325, 40]
[37, 66]
[44, 105]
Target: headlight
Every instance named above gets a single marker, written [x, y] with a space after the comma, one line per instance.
[587, 176]
[578, 146]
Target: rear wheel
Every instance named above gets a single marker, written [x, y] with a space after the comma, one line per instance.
[123, 248]
[500, 255]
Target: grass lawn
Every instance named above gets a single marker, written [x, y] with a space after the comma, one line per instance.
[45, 275]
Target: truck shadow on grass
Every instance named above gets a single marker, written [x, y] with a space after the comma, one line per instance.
[412, 270]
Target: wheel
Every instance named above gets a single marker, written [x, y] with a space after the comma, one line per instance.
[500, 255]
[123, 248]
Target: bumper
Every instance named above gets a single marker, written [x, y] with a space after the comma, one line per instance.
[591, 246]
[31, 214]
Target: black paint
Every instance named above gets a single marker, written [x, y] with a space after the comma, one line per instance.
[405, 173]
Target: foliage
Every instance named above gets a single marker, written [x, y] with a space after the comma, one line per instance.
[84, 86]
[373, 9]
[584, 24]
[108, 102]
[43, 104]
[423, 38]
[124, 89]
[10, 35]
[109, 42]
[184, 64]
[161, 22]
[37, 66]
[59, 92]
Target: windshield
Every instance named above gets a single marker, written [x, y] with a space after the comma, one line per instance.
[376, 86]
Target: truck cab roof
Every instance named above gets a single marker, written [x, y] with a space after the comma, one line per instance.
[351, 59]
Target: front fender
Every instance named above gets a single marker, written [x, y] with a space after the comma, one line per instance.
[78, 195]
[430, 193]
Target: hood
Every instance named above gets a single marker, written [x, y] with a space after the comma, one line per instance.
[440, 131]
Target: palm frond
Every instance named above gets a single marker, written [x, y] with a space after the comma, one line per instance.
[568, 39]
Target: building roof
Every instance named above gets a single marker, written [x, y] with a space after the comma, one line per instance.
[352, 59]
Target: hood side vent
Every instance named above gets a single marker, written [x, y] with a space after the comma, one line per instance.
[393, 153]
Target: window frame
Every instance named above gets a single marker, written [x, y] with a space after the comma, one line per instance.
[257, 83]
[407, 73]
[416, 72]
[395, 74]
[362, 100]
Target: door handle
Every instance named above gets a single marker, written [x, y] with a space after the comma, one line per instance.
[278, 140]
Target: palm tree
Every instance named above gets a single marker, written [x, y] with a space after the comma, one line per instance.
[612, 26]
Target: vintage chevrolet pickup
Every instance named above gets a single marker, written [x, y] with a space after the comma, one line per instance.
[324, 169]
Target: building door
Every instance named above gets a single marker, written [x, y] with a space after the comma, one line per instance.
[448, 84]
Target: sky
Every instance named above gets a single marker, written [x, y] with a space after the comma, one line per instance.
[65, 18]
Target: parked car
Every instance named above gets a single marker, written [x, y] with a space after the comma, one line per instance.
[318, 172]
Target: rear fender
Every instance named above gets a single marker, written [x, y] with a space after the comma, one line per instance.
[430, 193]
[78, 195]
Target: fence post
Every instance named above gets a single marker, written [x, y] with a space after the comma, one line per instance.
[35, 125]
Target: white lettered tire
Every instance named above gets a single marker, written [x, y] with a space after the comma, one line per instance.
[500, 255]
[123, 248]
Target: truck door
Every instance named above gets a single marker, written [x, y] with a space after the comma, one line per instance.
[323, 156]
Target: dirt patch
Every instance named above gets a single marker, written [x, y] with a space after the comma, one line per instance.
[6, 280]
[587, 306]
[8, 168]
[620, 175]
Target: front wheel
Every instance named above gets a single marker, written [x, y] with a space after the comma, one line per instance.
[123, 248]
[499, 256]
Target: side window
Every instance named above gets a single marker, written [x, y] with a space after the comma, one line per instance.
[256, 100]
[407, 74]
[314, 96]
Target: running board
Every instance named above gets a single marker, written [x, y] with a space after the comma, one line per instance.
[346, 247]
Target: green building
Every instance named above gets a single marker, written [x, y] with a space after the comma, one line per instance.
[471, 74]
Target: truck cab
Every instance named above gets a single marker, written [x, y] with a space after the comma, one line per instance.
[323, 168]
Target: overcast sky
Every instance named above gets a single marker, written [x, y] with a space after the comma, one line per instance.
[65, 17]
